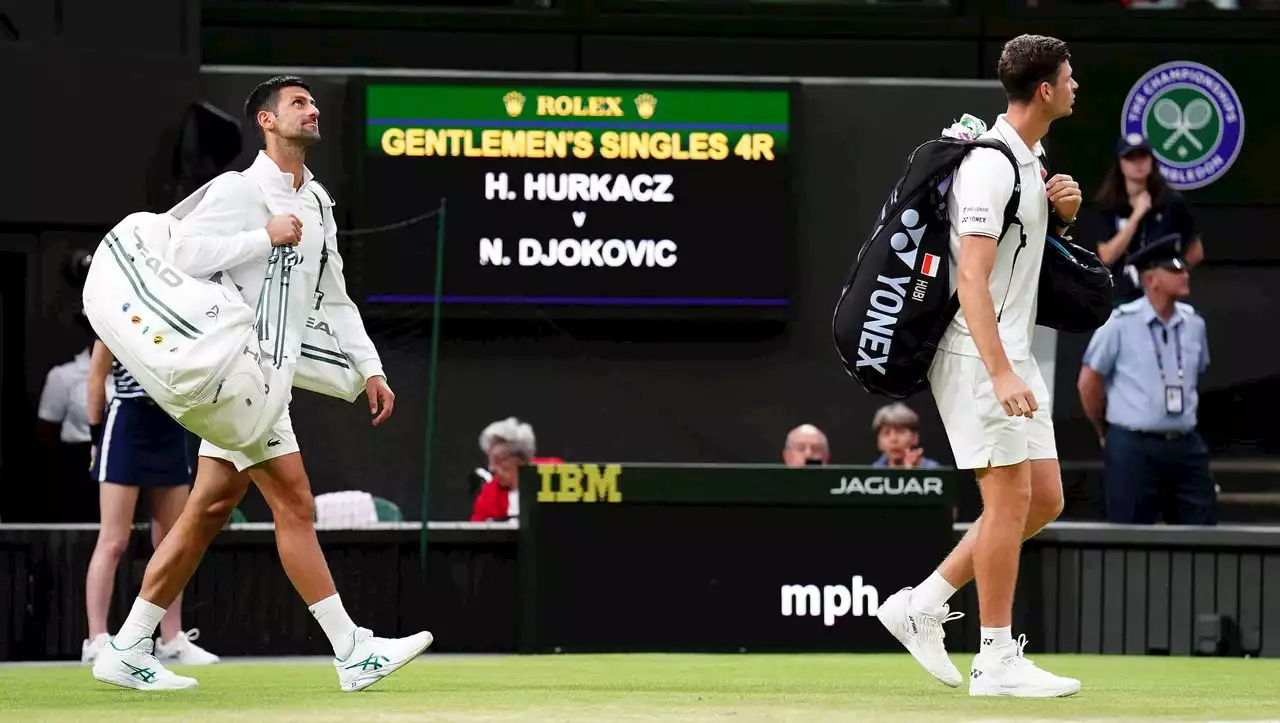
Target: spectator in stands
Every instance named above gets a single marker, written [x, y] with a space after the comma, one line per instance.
[1137, 209]
[897, 429]
[1141, 371]
[508, 444]
[806, 445]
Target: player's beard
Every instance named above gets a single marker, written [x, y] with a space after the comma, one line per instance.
[305, 137]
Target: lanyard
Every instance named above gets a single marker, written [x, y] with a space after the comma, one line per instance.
[1177, 344]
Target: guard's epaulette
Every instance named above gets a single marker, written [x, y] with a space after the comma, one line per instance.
[1128, 308]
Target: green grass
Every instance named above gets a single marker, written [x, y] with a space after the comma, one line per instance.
[670, 688]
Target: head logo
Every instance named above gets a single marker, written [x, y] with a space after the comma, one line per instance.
[906, 244]
[1191, 118]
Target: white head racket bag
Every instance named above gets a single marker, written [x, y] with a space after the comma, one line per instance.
[217, 366]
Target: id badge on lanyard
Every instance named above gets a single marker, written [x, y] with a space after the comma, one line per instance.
[1172, 392]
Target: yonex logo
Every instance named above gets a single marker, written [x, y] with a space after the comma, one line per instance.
[882, 316]
[906, 244]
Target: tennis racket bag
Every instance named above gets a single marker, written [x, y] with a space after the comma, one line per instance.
[897, 300]
[220, 368]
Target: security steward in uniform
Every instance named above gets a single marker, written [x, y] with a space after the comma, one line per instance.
[1140, 374]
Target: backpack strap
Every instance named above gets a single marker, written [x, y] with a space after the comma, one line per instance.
[1015, 198]
[324, 246]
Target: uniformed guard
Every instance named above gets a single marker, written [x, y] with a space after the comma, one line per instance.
[1140, 373]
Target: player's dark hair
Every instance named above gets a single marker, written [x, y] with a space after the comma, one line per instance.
[1027, 61]
[1112, 195]
[267, 95]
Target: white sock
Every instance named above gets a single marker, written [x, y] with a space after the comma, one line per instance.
[141, 624]
[932, 594]
[996, 638]
[337, 624]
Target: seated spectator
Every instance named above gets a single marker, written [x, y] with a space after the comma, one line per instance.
[806, 445]
[508, 444]
[897, 430]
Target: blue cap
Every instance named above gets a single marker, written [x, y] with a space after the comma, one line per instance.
[1132, 143]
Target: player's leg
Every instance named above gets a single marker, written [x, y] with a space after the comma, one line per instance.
[284, 485]
[128, 660]
[117, 504]
[176, 645]
[1006, 500]
[360, 658]
[1008, 496]
[956, 570]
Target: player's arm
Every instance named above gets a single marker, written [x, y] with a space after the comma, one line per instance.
[212, 237]
[348, 329]
[982, 188]
[96, 403]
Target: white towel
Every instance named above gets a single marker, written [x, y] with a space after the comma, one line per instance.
[967, 128]
[345, 510]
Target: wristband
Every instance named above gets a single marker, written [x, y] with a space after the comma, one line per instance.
[95, 434]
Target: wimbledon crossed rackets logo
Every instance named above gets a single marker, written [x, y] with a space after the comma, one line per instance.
[1191, 118]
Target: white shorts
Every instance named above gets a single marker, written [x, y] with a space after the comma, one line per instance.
[980, 432]
[278, 442]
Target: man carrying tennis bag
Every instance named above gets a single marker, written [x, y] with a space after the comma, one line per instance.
[898, 298]
[193, 344]
[221, 368]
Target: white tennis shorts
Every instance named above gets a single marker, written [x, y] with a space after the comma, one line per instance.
[278, 442]
[980, 432]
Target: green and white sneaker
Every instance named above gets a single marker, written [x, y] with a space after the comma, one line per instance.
[373, 659]
[136, 667]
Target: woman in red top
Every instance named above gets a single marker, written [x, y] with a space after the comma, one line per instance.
[508, 444]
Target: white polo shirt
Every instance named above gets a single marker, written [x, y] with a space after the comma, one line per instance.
[65, 399]
[976, 201]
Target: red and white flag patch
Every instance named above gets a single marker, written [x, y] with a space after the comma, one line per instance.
[930, 265]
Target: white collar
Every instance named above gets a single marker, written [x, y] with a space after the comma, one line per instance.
[267, 168]
[1024, 155]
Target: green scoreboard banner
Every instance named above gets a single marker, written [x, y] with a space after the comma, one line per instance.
[627, 196]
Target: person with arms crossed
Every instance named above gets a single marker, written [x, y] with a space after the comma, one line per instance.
[990, 393]
[137, 447]
[1139, 388]
[229, 237]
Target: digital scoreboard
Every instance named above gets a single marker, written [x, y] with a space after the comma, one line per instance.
[617, 198]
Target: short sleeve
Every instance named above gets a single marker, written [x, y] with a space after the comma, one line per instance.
[980, 192]
[1104, 347]
[54, 398]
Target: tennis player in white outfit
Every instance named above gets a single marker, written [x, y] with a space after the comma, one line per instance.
[232, 233]
[991, 396]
